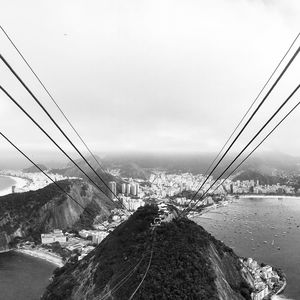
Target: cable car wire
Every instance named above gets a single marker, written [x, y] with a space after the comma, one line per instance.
[248, 144]
[124, 280]
[52, 98]
[252, 151]
[252, 104]
[37, 166]
[54, 142]
[248, 121]
[55, 123]
[147, 270]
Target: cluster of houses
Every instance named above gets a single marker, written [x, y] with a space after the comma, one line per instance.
[70, 242]
[265, 279]
[96, 236]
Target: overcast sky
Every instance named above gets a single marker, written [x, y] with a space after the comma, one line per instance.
[148, 75]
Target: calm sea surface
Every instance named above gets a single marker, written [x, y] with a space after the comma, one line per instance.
[265, 229]
[6, 182]
[23, 277]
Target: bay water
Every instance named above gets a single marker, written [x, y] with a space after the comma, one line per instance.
[266, 229]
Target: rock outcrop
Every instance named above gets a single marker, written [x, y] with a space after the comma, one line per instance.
[32, 213]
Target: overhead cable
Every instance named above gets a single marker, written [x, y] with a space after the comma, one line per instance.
[55, 123]
[147, 270]
[123, 281]
[248, 121]
[252, 104]
[54, 142]
[39, 168]
[252, 151]
[249, 143]
[52, 98]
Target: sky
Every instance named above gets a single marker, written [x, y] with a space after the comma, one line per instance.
[148, 76]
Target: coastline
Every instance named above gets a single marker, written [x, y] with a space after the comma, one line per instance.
[267, 196]
[275, 294]
[50, 257]
[19, 183]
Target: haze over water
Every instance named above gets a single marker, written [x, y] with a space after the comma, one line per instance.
[250, 226]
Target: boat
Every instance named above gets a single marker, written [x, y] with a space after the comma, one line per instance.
[272, 242]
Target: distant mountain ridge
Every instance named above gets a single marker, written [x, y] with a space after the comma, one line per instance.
[70, 170]
[34, 169]
[142, 165]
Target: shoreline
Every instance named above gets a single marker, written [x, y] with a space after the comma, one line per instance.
[208, 209]
[50, 257]
[19, 182]
[267, 196]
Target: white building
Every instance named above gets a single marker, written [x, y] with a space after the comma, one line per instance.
[133, 189]
[56, 236]
[123, 188]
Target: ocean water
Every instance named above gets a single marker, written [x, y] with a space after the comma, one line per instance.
[23, 277]
[6, 182]
[266, 229]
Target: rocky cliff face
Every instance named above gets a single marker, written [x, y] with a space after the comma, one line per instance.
[187, 263]
[31, 213]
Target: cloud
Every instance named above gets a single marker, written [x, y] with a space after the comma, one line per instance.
[158, 75]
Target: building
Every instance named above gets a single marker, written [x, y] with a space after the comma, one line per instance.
[267, 272]
[99, 236]
[128, 189]
[113, 189]
[84, 233]
[55, 236]
[96, 235]
[133, 189]
[132, 204]
[123, 188]
[260, 294]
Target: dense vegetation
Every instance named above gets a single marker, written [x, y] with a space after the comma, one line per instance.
[181, 267]
[23, 208]
[35, 212]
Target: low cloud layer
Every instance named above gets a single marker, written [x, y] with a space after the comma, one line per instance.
[148, 75]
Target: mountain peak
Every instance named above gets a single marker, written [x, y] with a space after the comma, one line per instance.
[185, 262]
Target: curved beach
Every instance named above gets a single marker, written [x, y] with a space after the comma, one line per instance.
[50, 257]
[18, 182]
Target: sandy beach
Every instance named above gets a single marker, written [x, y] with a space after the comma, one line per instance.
[268, 196]
[50, 257]
[20, 184]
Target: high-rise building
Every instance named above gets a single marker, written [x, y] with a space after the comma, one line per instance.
[113, 189]
[133, 189]
[123, 188]
[231, 188]
[128, 189]
[137, 188]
